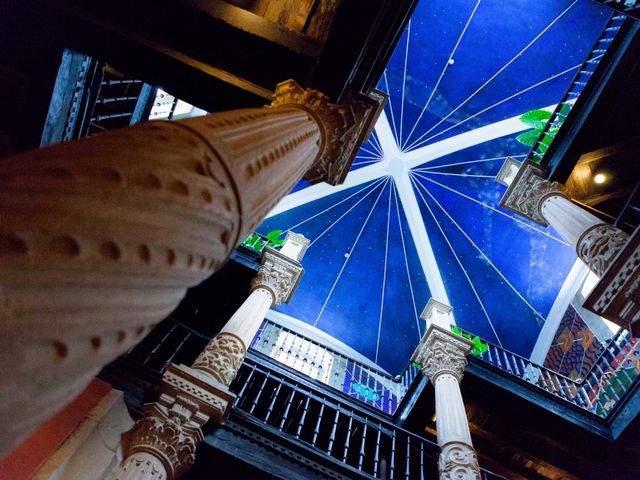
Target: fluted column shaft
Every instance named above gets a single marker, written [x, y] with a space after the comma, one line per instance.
[100, 238]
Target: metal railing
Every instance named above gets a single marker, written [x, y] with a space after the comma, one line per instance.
[366, 444]
[576, 88]
[367, 384]
[602, 387]
[627, 7]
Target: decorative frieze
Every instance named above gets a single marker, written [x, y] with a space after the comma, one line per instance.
[458, 461]
[527, 192]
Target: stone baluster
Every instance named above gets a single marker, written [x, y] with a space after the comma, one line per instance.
[161, 446]
[443, 357]
[100, 238]
[608, 251]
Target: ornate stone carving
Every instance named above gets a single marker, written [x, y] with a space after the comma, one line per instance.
[170, 430]
[222, 357]
[441, 351]
[616, 296]
[279, 274]
[141, 465]
[168, 433]
[599, 245]
[344, 126]
[458, 461]
[528, 191]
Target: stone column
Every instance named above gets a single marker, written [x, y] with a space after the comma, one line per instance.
[443, 357]
[161, 446]
[100, 238]
[535, 198]
[604, 248]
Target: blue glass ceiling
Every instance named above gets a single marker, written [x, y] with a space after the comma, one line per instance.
[418, 215]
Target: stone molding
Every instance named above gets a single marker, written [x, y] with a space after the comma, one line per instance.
[458, 461]
[528, 191]
[599, 245]
[616, 296]
[441, 351]
[222, 357]
[278, 274]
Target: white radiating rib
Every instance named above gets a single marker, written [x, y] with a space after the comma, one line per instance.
[516, 219]
[375, 142]
[345, 213]
[406, 262]
[393, 122]
[367, 157]
[368, 162]
[553, 77]
[446, 65]
[456, 257]
[404, 81]
[428, 169]
[364, 224]
[371, 185]
[495, 74]
[375, 154]
[487, 259]
[460, 174]
[384, 274]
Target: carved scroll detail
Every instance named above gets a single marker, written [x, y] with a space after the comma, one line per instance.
[458, 461]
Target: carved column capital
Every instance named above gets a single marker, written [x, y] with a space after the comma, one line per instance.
[170, 431]
[278, 274]
[458, 461]
[441, 351]
[528, 191]
[343, 126]
[599, 245]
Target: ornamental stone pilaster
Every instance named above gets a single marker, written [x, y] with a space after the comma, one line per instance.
[443, 358]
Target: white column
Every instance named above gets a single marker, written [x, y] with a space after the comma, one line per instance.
[162, 445]
[277, 279]
[443, 357]
[535, 198]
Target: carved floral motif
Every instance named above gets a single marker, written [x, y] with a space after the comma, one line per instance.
[599, 245]
[222, 357]
[458, 461]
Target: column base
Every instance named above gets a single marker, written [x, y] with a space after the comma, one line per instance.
[616, 297]
[458, 461]
[214, 399]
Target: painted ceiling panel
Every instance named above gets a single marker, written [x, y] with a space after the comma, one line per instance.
[511, 267]
[463, 64]
[358, 286]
